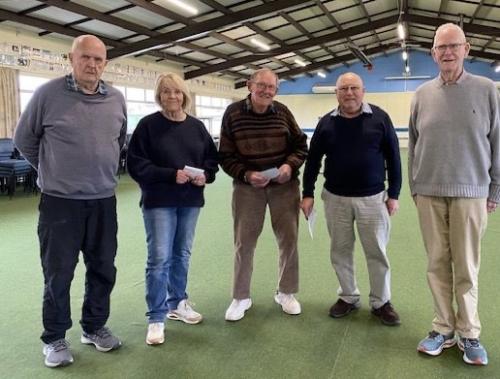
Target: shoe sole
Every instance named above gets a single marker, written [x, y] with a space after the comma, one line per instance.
[152, 343]
[243, 315]
[288, 313]
[435, 353]
[60, 364]
[173, 316]
[87, 341]
[468, 361]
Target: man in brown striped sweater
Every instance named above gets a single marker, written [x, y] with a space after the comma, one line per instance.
[262, 148]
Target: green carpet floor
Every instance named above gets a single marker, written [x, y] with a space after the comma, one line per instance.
[266, 343]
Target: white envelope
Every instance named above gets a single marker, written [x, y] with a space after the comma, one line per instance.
[311, 220]
[270, 173]
[193, 172]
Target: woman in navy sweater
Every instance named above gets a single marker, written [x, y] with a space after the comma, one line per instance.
[164, 148]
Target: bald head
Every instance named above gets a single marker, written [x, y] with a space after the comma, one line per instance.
[349, 77]
[88, 40]
[88, 59]
[350, 93]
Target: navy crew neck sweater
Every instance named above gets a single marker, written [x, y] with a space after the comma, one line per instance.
[358, 152]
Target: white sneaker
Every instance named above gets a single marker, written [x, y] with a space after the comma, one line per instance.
[185, 313]
[288, 303]
[236, 310]
[156, 333]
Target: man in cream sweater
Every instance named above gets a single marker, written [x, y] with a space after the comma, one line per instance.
[454, 174]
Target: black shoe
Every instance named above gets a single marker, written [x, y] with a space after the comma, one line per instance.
[342, 308]
[387, 314]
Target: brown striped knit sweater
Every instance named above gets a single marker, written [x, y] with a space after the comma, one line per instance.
[258, 141]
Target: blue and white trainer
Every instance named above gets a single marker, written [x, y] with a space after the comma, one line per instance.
[435, 343]
[474, 352]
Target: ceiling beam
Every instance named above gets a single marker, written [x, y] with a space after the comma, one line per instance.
[330, 62]
[57, 28]
[476, 11]
[442, 7]
[468, 28]
[85, 19]
[94, 14]
[203, 27]
[358, 29]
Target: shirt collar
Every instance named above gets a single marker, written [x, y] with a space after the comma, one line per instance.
[248, 106]
[460, 79]
[72, 85]
[365, 108]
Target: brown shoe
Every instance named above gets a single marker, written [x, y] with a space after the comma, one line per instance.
[387, 314]
[342, 308]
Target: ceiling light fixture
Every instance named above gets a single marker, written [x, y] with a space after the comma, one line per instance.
[404, 55]
[407, 69]
[497, 68]
[358, 53]
[321, 74]
[300, 63]
[401, 31]
[260, 44]
[184, 6]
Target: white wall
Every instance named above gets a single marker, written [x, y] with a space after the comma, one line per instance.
[308, 109]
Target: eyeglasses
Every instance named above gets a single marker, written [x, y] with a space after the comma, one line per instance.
[452, 46]
[345, 89]
[264, 86]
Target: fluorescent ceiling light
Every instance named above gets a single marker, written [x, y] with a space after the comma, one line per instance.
[401, 31]
[497, 68]
[405, 55]
[300, 63]
[184, 6]
[321, 74]
[407, 69]
[260, 44]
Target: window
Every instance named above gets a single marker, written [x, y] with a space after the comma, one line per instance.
[210, 110]
[27, 86]
[140, 102]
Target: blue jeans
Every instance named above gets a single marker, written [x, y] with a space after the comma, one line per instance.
[170, 234]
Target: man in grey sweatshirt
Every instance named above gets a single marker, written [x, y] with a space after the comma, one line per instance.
[71, 132]
[454, 174]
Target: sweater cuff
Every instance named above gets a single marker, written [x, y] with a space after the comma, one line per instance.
[494, 193]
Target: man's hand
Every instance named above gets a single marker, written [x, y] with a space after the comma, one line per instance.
[285, 174]
[392, 206]
[256, 179]
[307, 205]
[491, 206]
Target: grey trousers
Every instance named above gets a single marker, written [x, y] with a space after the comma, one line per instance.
[249, 210]
[373, 224]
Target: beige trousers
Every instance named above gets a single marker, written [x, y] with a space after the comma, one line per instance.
[452, 229]
[249, 210]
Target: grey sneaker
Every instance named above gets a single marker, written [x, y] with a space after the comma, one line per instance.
[57, 353]
[102, 339]
[474, 352]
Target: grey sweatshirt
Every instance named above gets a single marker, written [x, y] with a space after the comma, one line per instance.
[73, 140]
[454, 139]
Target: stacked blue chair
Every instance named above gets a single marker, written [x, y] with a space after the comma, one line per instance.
[14, 169]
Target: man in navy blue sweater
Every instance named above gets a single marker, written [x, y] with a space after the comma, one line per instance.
[360, 145]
